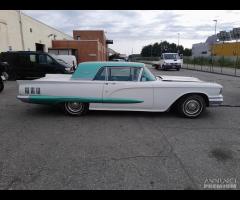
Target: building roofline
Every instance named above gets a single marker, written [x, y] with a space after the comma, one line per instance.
[78, 40]
[89, 30]
[22, 13]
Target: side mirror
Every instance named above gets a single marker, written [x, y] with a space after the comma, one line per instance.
[144, 79]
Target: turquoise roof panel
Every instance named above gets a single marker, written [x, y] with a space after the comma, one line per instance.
[88, 70]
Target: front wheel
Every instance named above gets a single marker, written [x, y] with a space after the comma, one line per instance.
[1, 85]
[76, 108]
[191, 106]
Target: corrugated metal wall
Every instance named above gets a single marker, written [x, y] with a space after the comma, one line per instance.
[226, 49]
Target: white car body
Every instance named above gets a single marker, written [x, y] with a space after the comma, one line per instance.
[154, 96]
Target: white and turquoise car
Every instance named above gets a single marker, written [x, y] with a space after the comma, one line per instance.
[122, 86]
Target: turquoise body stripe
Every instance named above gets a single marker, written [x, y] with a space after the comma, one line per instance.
[43, 99]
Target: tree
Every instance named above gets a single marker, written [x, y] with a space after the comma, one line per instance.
[164, 47]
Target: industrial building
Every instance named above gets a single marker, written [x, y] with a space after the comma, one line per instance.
[226, 49]
[19, 32]
[88, 45]
[221, 44]
[203, 49]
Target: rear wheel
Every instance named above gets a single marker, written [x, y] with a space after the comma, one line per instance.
[178, 69]
[76, 108]
[191, 106]
[1, 85]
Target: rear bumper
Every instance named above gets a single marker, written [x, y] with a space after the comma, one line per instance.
[23, 98]
[216, 101]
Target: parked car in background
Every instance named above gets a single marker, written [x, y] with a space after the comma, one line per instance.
[124, 86]
[69, 60]
[30, 64]
[3, 75]
[169, 61]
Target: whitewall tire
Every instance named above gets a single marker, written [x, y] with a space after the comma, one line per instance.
[76, 108]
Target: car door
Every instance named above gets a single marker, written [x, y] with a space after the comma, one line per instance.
[46, 64]
[123, 89]
[27, 65]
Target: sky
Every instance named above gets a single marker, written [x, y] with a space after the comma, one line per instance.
[130, 30]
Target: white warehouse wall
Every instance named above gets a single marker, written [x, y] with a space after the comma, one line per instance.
[10, 32]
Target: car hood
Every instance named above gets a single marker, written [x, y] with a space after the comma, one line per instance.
[179, 78]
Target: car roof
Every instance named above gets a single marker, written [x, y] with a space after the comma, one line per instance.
[88, 70]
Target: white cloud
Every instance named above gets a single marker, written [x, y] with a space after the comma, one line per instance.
[132, 29]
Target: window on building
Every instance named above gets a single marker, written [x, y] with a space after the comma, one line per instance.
[30, 30]
[78, 37]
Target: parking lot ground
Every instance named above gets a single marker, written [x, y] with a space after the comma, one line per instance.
[41, 148]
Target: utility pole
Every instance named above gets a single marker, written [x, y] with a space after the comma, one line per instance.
[178, 39]
[21, 30]
[151, 50]
[178, 42]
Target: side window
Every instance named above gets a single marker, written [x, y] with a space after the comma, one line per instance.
[101, 74]
[123, 73]
[50, 60]
[144, 76]
[42, 59]
[119, 74]
[135, 71]
[33, 58]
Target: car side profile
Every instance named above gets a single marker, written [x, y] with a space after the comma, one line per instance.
[122, 86]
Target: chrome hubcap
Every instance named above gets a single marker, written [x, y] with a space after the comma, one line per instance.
[192, 107]
[74, 106]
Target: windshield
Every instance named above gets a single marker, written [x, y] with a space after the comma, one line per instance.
[170, 56]
[148, 74]
[60, 61]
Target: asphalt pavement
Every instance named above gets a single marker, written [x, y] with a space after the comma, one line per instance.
[42, 148]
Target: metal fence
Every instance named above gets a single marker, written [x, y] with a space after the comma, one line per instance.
[220, 65]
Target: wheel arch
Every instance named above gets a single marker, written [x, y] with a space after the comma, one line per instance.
[205, 97]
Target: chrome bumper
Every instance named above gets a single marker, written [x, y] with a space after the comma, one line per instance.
[215, 101]
[23, 98]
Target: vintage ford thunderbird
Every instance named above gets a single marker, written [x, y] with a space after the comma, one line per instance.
[125, 86]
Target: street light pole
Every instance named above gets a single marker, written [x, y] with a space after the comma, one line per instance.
[215, 26]
[178, 42]
[178, 39]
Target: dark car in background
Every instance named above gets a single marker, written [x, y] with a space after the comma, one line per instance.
[30, 64]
